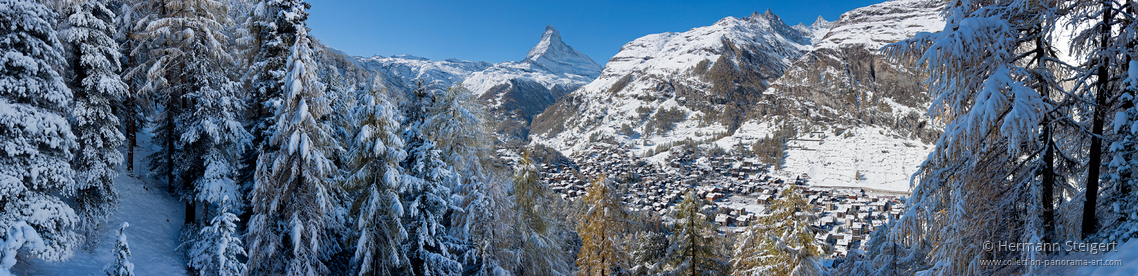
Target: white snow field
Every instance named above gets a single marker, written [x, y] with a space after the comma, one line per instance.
[1127, 253]
[155, 220]
[886, 162]
[1123, 262]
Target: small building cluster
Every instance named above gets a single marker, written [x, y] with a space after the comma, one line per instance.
[738, 189]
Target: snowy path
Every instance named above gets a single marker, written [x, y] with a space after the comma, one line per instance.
[155, 222]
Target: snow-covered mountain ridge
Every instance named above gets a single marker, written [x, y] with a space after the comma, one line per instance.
[865, 111]
[847, 80]
[520, 89]
[666, 86]
[828, 80]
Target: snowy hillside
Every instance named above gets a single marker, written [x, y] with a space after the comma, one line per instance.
[883, 160]
[846, 82]
[672, 86]
[668, 87]
[155, 220]
[880, 24]
[406, 71]
[819, 28]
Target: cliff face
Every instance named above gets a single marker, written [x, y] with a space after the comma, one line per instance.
[846, 80]
[669, 86]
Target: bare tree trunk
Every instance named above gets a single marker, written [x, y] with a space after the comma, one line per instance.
[191, 211]
[128, 112]
[131, 141]
[1089, 216]
[1048, 199]
[169, 129]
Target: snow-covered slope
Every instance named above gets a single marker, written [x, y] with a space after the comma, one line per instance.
[741, 79]
[521, 89]
[818, 29]
[847, 80]
[671, 86]
[880, 24]
[155, 220]
[403, 72]
[871, 108]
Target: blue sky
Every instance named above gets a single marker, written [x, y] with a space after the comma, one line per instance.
[504, 30]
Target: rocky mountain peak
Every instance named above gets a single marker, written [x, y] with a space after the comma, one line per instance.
[554, 55]
[820, 22]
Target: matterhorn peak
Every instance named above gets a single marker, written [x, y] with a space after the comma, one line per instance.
[551, 34]
[554, 55]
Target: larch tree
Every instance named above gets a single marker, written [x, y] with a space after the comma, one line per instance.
[376, 150]
[690, 250]
[97, 87]
[455, 122]
[427, 195]
[291, 196]
[36, 141]
[538, 243]
[601, 230]
[1121, 175]
[782, 243]
[1107, 53]
[993, 80]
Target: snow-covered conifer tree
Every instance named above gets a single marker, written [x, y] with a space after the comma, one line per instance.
[426, 196]
[690, 247]
[96, 86]
[213, 138]
[291, 195]
[272, 25]
[485, 226]
[601, 229]
[538, 243]
[132, 18]
[883, 256]
[782, 243]
[485, 234]
[993, 80]
[36, 141]
[122, 265]
[217, 250]
[1107, 47]
[375, 153]
[1122, 197]
[650, 252]
[190, 69]
[455, 124]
